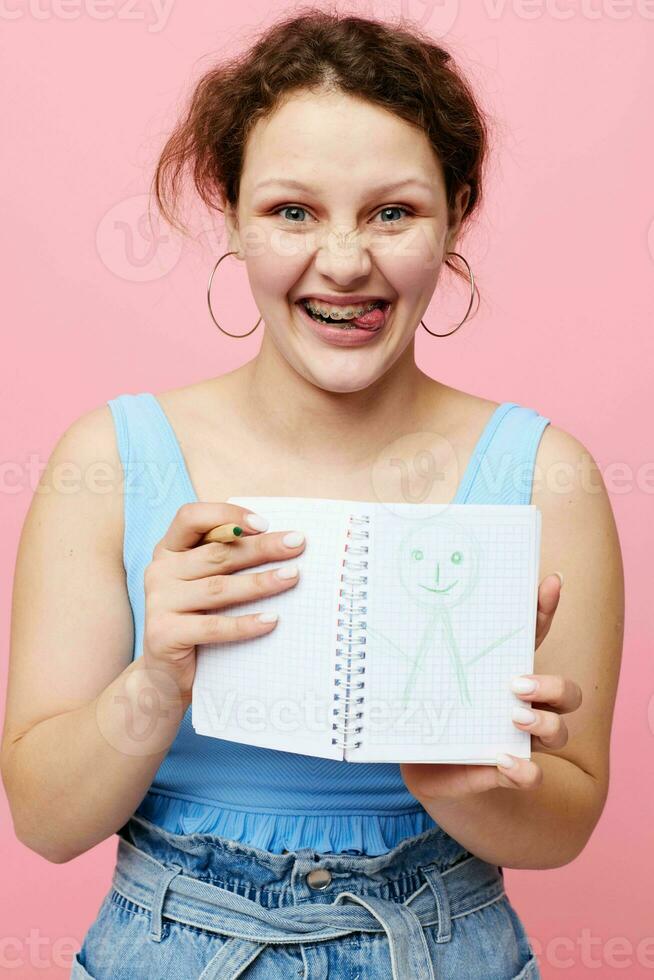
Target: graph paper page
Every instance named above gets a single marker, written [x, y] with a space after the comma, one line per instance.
[276, 690]
[452, 596]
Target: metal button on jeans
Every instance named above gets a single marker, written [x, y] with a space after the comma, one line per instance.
[319, 878]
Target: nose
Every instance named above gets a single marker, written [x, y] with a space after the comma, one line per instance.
[343, 256]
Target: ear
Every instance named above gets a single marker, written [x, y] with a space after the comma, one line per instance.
[456, 216]
[231, 225]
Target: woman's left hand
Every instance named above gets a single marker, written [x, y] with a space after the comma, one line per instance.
[554, 696]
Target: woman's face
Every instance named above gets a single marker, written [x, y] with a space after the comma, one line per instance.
[341, 198]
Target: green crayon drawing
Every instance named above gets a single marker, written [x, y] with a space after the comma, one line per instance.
[439, 564]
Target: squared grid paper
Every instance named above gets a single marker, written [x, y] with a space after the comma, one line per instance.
[276, 690]
[411, 546]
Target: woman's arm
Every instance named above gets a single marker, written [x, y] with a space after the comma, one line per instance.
[85, 728]
[545, 818]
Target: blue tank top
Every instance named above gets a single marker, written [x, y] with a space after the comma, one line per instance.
[263, 797]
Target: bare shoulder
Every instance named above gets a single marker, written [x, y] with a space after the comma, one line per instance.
[567, 478]
[83, 478]
[580, 539]
[91, 434]
[578, 520]
[84, 467]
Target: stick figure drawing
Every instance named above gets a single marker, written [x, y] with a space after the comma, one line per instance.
[439, 566]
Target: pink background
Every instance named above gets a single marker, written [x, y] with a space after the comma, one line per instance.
[563, 253]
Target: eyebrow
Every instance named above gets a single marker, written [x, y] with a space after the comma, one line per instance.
[383, 188]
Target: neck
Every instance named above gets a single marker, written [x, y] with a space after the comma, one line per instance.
[286, 410]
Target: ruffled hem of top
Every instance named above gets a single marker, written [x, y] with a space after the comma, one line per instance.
[351, 833]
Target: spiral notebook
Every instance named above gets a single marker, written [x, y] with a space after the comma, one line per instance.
[398, 642]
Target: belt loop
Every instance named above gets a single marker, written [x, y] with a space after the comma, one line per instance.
[160, 890]
[437, 885]
[232, 959]
[408, 949]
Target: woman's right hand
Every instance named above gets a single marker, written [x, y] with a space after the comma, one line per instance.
[186, 578]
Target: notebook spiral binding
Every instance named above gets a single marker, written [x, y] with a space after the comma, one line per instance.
[348, 658]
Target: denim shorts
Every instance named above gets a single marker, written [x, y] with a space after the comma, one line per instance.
[202, 907]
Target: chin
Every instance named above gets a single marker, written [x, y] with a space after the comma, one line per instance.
[338, 380]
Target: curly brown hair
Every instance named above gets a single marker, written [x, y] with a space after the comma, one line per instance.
[394, 67]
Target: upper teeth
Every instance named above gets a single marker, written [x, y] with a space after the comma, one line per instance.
[339, 312]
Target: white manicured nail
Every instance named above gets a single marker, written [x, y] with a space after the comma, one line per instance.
[523, 685]
[268, 617]
[287, 571]
[293, 539]
[257, 522]
[505, 760]
[523, 715]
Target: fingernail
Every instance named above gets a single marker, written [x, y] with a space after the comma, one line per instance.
[257, 522]
[268, 617]
[523, 685]
[293, 539]
[560, 574]
[287, 571]
[505, 760]
[523, 715]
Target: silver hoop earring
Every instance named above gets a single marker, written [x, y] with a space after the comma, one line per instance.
[209, 302]
[472, 296]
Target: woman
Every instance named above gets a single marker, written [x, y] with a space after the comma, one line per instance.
[347, 156]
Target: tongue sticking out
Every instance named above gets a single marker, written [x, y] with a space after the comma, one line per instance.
[370, 320]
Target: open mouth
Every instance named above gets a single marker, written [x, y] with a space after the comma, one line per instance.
[371, 320]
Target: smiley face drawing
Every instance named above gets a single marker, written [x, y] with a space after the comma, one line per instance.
[438, 563]
[439, 566]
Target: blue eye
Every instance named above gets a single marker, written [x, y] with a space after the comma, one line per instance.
[457, 557]
[291, 207]
[417, 554]
[396, 208]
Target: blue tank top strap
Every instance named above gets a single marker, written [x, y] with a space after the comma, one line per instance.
[136, 426]
[154, 487]
[151, 457]
[501, 470]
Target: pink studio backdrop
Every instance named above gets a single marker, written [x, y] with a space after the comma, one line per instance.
[563, 253]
